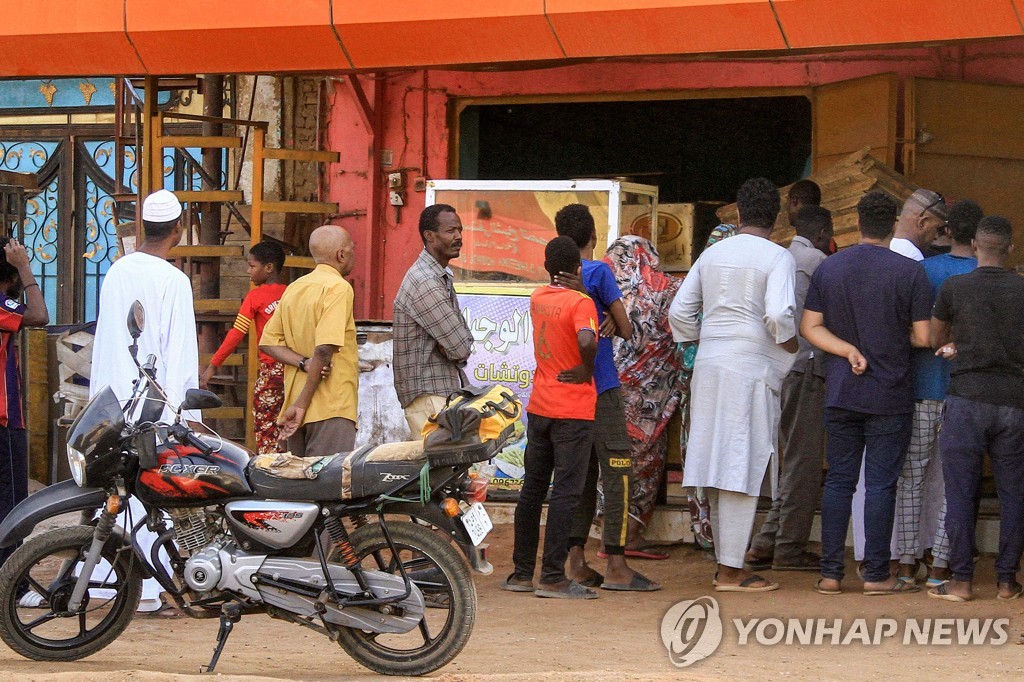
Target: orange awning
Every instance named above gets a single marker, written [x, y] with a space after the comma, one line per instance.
[43, 38]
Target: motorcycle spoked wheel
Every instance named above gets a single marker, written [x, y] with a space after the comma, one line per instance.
[437, 568]
[49, 564]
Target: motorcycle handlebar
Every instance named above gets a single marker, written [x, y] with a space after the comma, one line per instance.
[185, 436]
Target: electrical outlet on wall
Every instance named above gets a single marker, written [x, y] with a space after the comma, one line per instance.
[396, 198]
[396, 181]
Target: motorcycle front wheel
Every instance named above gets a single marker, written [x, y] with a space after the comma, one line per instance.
[49, 565]
[441, 574]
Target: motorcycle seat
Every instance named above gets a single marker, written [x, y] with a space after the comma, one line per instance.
[365, 472]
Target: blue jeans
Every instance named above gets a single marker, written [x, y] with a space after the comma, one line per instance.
[881, 441]
[970, 429]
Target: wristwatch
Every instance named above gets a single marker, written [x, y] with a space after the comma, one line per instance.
[302, 364]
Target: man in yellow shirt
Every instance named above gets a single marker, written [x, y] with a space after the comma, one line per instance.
[313, 333]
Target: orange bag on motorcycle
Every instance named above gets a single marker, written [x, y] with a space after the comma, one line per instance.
[473, 425]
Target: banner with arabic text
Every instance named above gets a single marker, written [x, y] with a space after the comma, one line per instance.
[502, 354]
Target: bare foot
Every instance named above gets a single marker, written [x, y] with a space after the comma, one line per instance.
[960, 588]
[729, 576]
[882, 585]
[579, 570]
[830, 584]
[907, 571]
[618, 571]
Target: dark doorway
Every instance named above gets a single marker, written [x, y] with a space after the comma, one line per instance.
[693, 149]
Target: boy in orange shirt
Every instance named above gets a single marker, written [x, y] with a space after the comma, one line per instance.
[559, 431]
[265, 262]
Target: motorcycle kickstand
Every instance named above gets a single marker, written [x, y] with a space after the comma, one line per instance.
[230, 614]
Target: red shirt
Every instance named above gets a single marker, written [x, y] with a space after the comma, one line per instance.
[11, 313]
[259, 305]
[557, 315]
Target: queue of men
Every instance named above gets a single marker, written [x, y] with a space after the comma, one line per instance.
[902, 364]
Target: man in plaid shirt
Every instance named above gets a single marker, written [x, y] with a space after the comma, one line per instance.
[432, 340]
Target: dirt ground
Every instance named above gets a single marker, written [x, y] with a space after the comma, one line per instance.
[616, 637]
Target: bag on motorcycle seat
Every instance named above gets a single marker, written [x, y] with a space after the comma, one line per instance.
[473, 425]
[287, 465]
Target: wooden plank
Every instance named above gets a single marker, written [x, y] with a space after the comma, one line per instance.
[28, 181]
[214, 195]
[37, 402]
[204, 251]
[233, 360]
[202, 141]
[207, 305]
[299, 262]
[299, 207]
[224, 413]
[301, 155]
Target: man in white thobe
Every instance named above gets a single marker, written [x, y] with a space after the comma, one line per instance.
[170, 331]
[746, 288]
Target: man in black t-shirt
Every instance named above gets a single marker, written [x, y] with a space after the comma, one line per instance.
[978, 320]
[866, 306]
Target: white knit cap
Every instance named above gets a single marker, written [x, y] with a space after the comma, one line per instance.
[161, 207]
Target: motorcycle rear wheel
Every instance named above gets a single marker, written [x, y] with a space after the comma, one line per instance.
[48, 565]
[437, 568]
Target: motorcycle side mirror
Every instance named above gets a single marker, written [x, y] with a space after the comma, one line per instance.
[136, 319]
[198, 399]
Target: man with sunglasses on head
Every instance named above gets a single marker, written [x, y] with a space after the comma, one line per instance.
[923, 215]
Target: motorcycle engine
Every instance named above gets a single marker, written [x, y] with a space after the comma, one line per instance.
[203, 569]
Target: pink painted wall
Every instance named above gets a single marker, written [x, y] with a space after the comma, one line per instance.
[419, 141]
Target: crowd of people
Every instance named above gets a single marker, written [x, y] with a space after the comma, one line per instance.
[904, 370]
[894, 365]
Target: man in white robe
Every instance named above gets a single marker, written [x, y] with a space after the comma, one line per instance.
[746, 288]
[170, 332]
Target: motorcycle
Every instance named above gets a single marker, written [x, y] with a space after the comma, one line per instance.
[363, 550]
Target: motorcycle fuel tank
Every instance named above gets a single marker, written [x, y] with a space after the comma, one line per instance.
[272, 523]
[185, 477]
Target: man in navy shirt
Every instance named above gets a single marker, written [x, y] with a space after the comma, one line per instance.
[866, 306]
[610, 452]
[919, 490]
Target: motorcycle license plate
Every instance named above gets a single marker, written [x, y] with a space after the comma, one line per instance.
[477, 523]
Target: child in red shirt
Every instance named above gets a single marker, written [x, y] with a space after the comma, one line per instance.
[265, 262]
[15, 279]
[559, 430]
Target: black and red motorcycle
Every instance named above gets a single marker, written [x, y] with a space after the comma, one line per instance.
[360, 548]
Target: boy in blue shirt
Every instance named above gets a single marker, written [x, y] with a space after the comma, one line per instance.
[610, 452]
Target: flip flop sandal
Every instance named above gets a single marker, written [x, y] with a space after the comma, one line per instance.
[1017, 590]
[510, 586]
[827, 592]
[941, 592]
[760, 564]
[908, 579]
[643, 552]
[595, 580]
[747, 586]
[899, 588]
[935, 582]
[639, 583]
[646, 552]
[573, 591]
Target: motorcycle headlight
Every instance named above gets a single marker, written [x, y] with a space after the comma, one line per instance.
[76, 460]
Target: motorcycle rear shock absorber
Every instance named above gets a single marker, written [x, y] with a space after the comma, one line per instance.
[340, 539]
